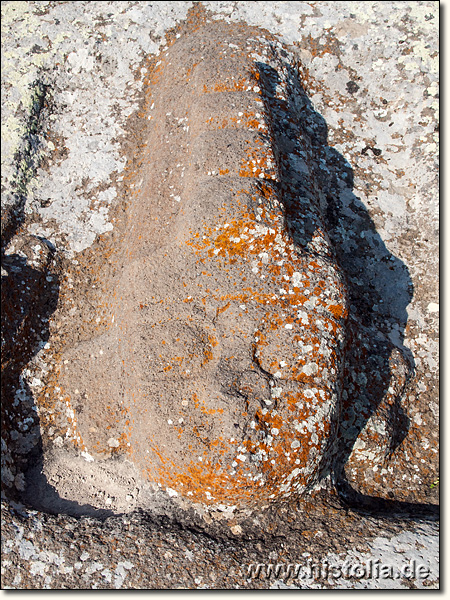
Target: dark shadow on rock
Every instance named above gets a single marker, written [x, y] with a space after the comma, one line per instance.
[380, 507]
[29, 293]
[29, 297]
[27, 160]
[378, 283]
[41, 495]
[379, 288]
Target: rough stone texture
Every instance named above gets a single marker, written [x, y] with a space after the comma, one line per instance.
[142, 551]
[368, 77]
[222, 368]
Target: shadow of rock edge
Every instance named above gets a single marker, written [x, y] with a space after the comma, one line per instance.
[378, 367]
[30, 284]
[366, 403]
[28, 300]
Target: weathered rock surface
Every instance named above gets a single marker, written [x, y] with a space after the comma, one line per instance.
[224, 358]
[226, 347]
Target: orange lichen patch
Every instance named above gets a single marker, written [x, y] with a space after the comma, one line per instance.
[247, 237]
[190, 71]
[246, 119]
[259, 162]
[54, 402]
[200, 405]
[207, 351]
[338, 310]
[233, 85]
[223, 308]
[225, 243]
[280, 461]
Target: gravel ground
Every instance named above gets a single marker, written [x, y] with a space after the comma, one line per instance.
[74, 75]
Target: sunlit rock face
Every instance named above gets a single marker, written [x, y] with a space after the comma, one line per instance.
[220, 372]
